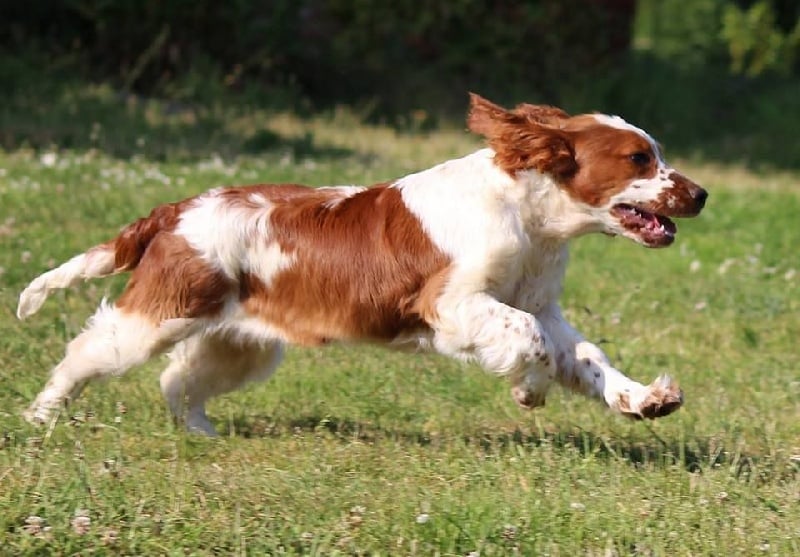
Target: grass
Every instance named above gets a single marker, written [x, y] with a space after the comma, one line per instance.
[355, 450]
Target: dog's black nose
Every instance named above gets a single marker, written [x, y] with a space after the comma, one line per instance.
[699, 195]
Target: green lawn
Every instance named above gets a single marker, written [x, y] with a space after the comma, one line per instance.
[356, 450]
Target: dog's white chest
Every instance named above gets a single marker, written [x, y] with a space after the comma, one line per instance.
[540, 280]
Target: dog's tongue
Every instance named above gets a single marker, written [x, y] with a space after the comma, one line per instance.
[647, 221]
[663, 223]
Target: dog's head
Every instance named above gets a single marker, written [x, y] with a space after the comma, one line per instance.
[613, 172]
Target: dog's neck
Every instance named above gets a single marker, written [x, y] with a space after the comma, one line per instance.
[549, 213]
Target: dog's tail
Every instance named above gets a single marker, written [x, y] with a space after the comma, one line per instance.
[121, 254]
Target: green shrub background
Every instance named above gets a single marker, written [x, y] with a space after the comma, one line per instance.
[711, 78]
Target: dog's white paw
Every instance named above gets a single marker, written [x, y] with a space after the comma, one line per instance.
[661, 398]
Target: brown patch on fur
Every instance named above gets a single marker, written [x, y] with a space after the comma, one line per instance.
[660, 402]
[683, 199]
[278, 194]
[541, 113]
[424, 304]
[134, 239]
[603, 155]
[624, 406]
[590, 159]
[363, 266]
[172, 281]
[132, 242]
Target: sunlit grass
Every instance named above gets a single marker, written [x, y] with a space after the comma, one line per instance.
[357, 450]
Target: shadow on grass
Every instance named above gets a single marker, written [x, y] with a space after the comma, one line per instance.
[639, 451]
[39, 112]
[153, 130]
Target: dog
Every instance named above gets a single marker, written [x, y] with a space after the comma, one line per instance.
[466, 258]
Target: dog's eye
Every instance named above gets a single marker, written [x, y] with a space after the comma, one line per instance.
[640, 159]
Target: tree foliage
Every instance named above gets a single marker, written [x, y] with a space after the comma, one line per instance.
[750, 37]
[756, 42]
[330, 48]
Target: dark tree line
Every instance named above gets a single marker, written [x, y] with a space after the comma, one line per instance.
[328, 49]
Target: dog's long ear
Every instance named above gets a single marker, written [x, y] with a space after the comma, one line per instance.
[484, 116]
[542, 113]
[524, 139]
[535, 147]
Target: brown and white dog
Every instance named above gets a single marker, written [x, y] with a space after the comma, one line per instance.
[465, 258]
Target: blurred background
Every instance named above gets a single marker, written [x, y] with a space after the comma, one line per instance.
[713, 79]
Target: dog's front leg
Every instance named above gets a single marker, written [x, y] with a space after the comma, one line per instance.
[502, 339]
[584, 368]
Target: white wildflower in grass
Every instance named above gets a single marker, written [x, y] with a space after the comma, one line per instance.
[356, 516]
[48, 159]
[34, 525]
[789, 275]
[726, 265]
[81, 525]
[701, 305]
[153, 174]
[214, 163]
[577, 506]
[423, 518]
[344, 541]
[110, 467]
[109, 537]
[7, 227]
[694, 266]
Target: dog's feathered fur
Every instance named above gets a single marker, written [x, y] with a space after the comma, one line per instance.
[465, 258]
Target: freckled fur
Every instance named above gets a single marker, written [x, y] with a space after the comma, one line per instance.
[465, 258]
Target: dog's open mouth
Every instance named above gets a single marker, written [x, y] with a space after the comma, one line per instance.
[651, 229]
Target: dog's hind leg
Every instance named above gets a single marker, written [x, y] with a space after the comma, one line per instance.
[173, 293]
[207, 365]
[113, 341]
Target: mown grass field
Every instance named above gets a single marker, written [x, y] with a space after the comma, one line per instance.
[356, 451]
